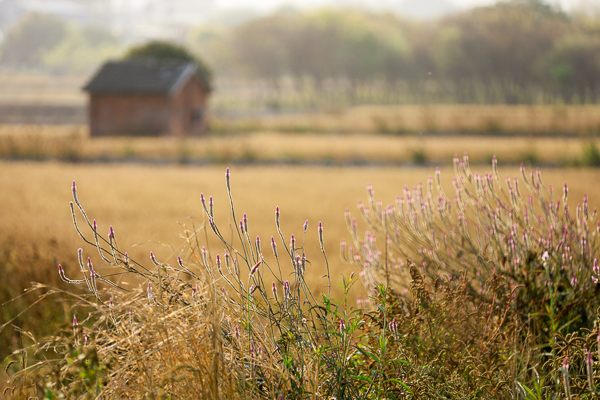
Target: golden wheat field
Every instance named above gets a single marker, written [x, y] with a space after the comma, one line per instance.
[149, 206]
[74, 144]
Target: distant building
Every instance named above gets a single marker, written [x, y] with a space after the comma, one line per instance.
[147, 98]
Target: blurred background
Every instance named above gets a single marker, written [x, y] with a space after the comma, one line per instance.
[287, 57]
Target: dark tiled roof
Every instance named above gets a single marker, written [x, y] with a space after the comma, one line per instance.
[141, 76]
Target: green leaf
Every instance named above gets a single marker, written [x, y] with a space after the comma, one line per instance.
[368, 354]
[399, 383]
[363, 378]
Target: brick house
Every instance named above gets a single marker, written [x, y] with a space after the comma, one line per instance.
[147, 97]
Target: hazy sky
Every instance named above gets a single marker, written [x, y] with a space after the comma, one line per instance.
[269, 5]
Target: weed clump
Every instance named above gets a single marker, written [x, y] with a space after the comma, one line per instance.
[505, 285]
[489, 293]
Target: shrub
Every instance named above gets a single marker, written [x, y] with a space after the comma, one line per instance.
[506, 285]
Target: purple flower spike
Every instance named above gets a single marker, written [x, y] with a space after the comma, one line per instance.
[74, 187]
[306, 225]
[565, 364]
[274, 291]
[75, 324]
[342, 325]
[255, 268]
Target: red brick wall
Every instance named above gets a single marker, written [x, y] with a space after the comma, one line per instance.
[182, 113]
[128, 114]
[188, 110]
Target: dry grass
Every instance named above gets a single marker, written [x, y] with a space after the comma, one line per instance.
[72, 143]
[443, 118]
[146, 205]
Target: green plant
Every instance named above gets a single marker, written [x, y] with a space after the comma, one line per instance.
[524, 269]
[590, 156]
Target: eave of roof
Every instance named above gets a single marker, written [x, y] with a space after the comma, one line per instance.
[141, 76]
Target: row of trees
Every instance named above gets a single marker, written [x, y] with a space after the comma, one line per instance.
[514, 51]
[44, 42]
[521, 48]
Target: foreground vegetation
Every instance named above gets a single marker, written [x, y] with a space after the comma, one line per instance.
[489, 295]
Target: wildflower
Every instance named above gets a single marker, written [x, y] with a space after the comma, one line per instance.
[252, 289]
[574, 281]
[227, 178]
[274, 246]
[274, 288]
[394, 326]
[254, 268]
[565, 371]
[545, 257]
[589, 362]
[342, 325]
[286, 293]
[321, 235]
[305, 226]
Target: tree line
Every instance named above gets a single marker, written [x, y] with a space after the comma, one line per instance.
[516, 51]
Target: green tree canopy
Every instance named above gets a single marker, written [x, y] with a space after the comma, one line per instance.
[159, 49]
